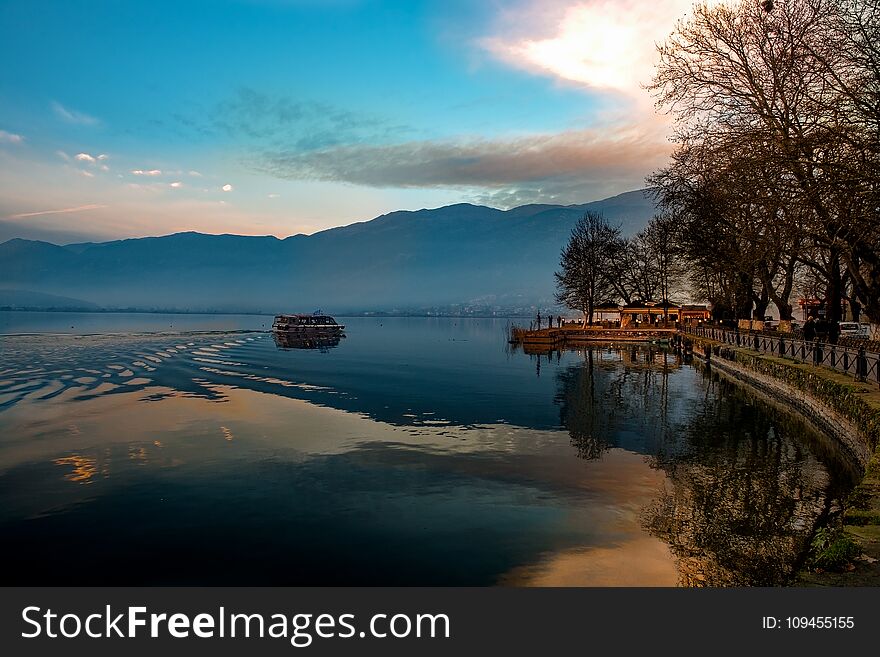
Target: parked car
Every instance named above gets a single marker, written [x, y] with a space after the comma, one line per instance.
[853, 330]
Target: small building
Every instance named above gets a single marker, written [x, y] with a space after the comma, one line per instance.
[692, 314]
[648, 313]
[607, 312]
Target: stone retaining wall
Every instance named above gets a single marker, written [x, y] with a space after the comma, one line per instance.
[837, 407]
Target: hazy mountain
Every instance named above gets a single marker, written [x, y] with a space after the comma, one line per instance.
[402, 260]
[27, 300]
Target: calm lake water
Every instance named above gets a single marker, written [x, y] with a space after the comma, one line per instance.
[170, 449]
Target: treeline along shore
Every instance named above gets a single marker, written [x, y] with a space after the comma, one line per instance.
[771, 198]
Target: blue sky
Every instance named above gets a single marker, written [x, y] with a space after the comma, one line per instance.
[286, 116]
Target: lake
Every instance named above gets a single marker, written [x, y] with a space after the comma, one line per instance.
[196, 449]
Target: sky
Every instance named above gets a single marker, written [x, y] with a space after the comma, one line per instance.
[257, 117]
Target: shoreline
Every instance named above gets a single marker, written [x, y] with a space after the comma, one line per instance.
[259, 313]
[849, 412]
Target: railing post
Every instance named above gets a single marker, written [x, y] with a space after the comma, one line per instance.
[862, 366]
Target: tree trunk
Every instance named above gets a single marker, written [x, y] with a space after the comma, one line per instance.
[762, 301]
[855, 309]
[782, 298]
[743, 296]
[864, 269]
[834, 292]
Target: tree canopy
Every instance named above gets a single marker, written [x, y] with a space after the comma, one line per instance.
[775, 172]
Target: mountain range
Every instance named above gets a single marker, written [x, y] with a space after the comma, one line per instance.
[458, 255]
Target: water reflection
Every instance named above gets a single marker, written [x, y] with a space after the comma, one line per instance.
[746, 484]
[416, 452]
[602, 398]
[746, 487]
[294, 341]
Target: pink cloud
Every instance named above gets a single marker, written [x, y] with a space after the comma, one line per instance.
[40, 213]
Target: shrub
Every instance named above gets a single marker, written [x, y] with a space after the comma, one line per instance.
[831, 549]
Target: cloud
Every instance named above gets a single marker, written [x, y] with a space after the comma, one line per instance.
[150, 172]
[79, 208]
[227, 188]
[72, 116]
[254, 116]
[601, 44]
[88, 159]
[176, 184]
[10, 138]
[273, 195]
[566, 164]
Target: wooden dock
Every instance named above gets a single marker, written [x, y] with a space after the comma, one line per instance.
[574, 335]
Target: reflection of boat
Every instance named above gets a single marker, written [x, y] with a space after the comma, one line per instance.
[284, 340]
[307, 325]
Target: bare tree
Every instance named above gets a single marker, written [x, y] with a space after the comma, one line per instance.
[587, 265]
[788, 89]
[634, 275]
[662, 239]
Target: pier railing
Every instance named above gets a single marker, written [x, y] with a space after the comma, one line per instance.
[857, 362]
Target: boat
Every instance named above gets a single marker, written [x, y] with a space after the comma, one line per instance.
[307, 325]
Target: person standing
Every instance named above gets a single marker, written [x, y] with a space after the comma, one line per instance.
[538, 320]
[810, 329]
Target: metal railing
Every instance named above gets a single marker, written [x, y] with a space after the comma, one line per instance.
[857, 362]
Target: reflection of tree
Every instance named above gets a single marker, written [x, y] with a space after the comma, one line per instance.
[745, 487]
[587, 419]
[613, 391]
[742, 498]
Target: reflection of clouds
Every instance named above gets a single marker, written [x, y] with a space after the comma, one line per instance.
[613, 492]
[264, 379]
[97, 356]
[83, 468]
[738, 501]
[639, 561]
